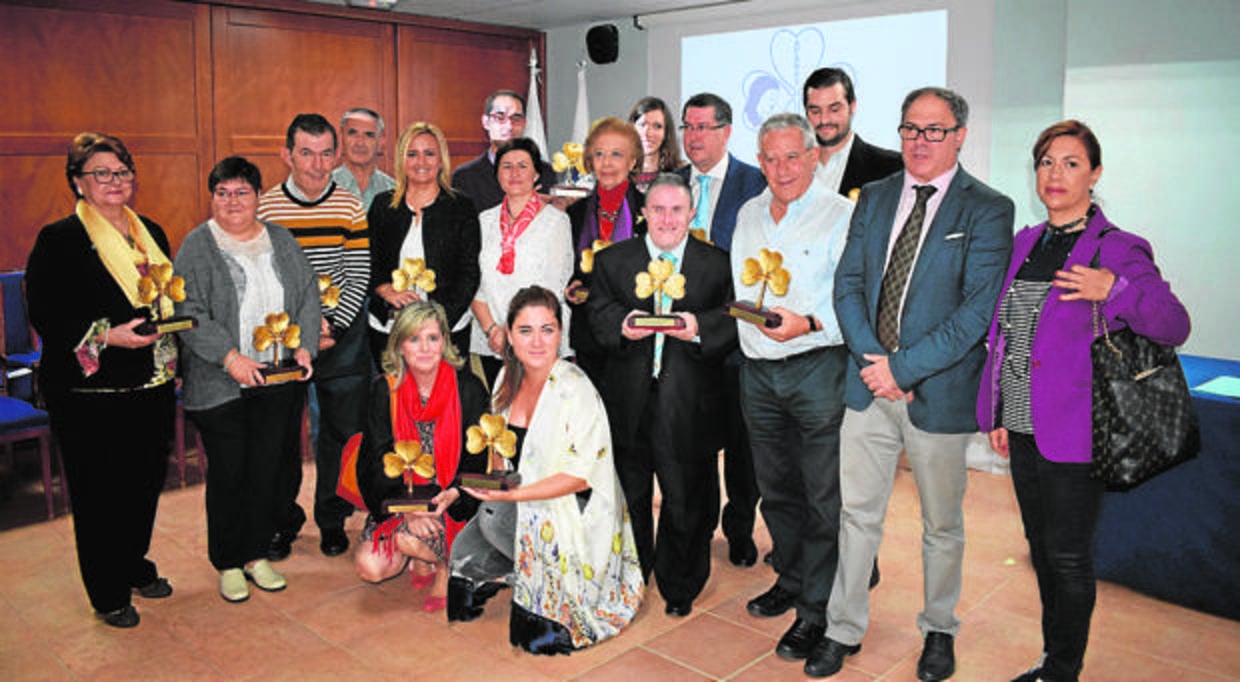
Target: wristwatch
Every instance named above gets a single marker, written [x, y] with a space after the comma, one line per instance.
[814, 324]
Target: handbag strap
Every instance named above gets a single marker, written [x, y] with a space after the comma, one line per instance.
[1097, 318]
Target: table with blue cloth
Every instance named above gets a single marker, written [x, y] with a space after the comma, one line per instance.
[1175, 537]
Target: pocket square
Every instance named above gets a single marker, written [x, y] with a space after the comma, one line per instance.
[955, 235]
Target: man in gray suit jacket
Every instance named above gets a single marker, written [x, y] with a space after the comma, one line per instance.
[926, 255]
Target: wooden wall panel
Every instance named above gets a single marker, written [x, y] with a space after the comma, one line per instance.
[444, 77]
[130, 69]
[271, 66]
[187, 83]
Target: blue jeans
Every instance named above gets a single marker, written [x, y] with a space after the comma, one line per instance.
[1059, 506]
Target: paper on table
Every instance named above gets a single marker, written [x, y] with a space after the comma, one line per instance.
[1226, 386]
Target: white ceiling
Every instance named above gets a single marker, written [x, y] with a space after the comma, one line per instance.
[540, 14]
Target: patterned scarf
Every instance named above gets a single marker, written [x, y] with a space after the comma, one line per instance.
[444, 409]
[511, 229]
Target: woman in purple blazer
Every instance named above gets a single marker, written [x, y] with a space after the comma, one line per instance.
[1035, 394]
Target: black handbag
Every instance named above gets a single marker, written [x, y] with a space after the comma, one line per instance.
[1144, 421]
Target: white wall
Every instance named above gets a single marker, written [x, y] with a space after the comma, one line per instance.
[612, 88]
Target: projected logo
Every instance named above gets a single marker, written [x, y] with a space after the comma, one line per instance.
[794, 55]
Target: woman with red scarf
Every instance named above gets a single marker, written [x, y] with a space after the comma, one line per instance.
[524, 242]
[423, 397]
[612, 213]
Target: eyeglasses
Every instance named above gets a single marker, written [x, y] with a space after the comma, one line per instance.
[908, 131]
[501, 117]
[104, 176]
[701, 127]
[239, 194]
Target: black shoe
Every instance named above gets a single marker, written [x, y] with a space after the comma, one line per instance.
[680, 609]
[799, 640]
[158, 588]
[827, 657]
[743, 553]
[465, 599]
[875, 576]
[124, 617]
[281, 545]
[1035, 673]
[938, 660]
[769, 558]
[774, 602]
[334, 542]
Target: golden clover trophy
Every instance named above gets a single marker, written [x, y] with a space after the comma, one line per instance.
[277, 331]
[329, 296]
[659, 280]
[157, 284]
[768, 270]
[491, 434]
[573, 181]
[412, 275]
[579, 293]
[407, 460]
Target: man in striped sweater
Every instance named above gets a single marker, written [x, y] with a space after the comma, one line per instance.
[330, 224]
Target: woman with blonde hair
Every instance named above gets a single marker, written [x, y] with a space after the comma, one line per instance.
[423, 218]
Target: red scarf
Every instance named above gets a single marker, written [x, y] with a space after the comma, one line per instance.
[511, 229]
[609, 201]
[444, 409]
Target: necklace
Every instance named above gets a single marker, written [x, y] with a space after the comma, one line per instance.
[1068, 227]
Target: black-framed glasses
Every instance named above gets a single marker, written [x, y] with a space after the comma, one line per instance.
[701, 127]
[501, 117]
[104, 176]
[908, 131]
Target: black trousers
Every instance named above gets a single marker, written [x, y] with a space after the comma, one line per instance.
[115, 449]
[242, 438]
[688, 478]
[794, 409]
[1059, 506]
[738, 475]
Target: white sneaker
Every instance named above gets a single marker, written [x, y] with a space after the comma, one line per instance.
[232, 585]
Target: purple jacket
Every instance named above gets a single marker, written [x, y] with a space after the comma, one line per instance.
[1060, 367]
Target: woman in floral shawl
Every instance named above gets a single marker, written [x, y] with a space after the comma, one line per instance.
[566, 541]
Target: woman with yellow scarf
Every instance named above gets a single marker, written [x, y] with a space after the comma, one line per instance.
[109, 388]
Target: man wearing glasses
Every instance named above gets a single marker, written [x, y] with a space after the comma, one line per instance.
[721, 184]
[926, 255]
[503, 119]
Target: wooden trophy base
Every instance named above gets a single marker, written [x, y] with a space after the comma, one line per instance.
[499, 480]
[747, 311]
[578, 294]
[168, 326]
[656, 323]
[418, 501]
[286, 370]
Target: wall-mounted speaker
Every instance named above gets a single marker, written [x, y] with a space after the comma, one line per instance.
[603, 43]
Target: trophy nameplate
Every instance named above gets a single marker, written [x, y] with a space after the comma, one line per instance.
[658, 323]
[168, 326]
[747, 311]
[496, 480]
[577, 294]
[284, 371]
[570, 191]
[768, 271]
[417, 499]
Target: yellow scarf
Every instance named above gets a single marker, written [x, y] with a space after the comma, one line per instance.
[121, 259]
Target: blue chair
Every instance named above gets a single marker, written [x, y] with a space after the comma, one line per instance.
[20, 421]
[19, 345]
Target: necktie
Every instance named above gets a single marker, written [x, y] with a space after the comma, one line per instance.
[665, 308]
[701, 215]
[898, 266]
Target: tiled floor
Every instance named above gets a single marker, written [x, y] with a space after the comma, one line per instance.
[328, 625]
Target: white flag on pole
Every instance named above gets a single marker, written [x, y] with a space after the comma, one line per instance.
[533, 111]
[581, 118]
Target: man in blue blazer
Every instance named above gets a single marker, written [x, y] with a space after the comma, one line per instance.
[925, 259]
[721, 184]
